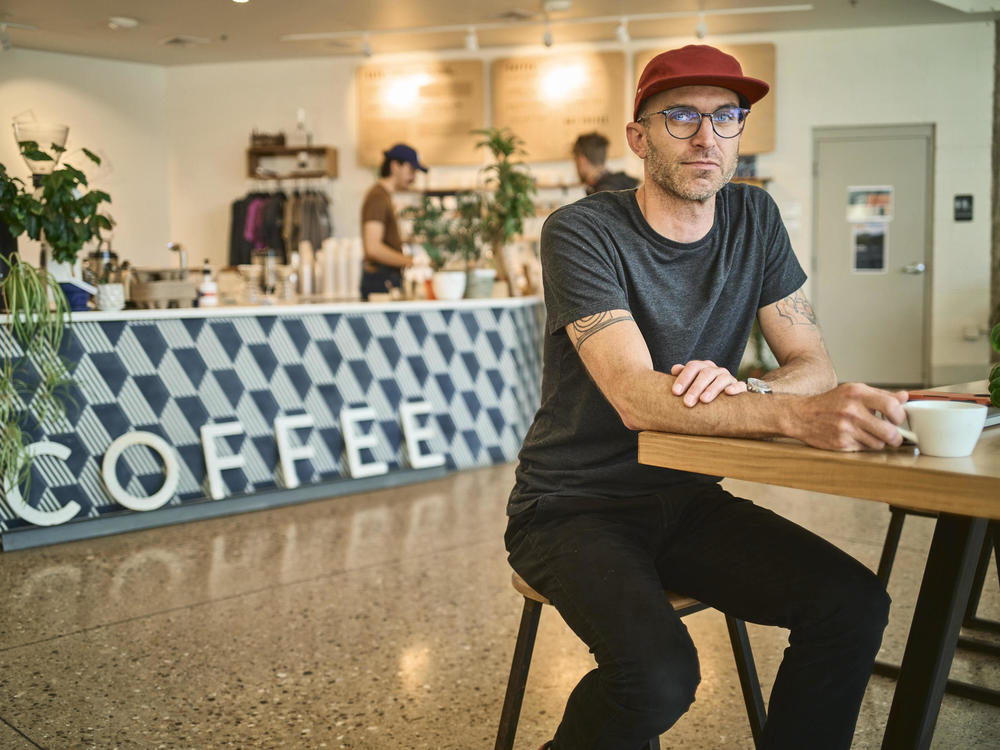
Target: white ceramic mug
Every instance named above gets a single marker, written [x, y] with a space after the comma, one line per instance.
[944, 428]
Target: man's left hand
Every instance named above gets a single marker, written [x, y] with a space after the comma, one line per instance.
[700, 381]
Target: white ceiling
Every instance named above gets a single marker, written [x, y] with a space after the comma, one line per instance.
[252, 31]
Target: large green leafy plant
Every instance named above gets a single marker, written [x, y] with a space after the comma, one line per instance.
[63, 211]
[510, 187]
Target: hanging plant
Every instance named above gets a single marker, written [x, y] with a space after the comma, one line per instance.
[34, 376]
[35, 380]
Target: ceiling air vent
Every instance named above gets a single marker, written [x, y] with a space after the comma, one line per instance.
[183, 40]
[515, 15]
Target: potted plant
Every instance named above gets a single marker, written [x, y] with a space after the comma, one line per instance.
[508, 200]
[60, 213]
[34, 376]
[451, 237]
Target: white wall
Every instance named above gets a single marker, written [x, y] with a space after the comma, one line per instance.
[918, 74]
[212, 109]
[114, 109]
[191, 125]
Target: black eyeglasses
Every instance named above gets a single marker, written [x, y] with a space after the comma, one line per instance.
[685, 122]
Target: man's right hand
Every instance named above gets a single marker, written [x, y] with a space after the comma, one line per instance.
[844, 419]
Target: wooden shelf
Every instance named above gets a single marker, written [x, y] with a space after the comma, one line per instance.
[760, 182]
[322, 162]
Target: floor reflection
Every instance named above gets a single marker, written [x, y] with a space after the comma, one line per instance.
[380, 619]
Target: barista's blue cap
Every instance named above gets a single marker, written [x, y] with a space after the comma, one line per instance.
[402, 152]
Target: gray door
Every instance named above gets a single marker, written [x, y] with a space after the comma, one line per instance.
[872, 191]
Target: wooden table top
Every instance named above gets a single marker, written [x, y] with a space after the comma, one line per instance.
[967, 486]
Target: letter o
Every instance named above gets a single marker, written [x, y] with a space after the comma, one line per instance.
[170, 470]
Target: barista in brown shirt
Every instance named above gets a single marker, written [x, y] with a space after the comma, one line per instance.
[383, 246]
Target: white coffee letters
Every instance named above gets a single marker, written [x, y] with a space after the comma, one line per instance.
[17, 503]
[214, 463]
[170, 471]
[414, 434]
[355, 440]
[287, 453]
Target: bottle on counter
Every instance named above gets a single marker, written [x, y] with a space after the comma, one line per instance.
[208, 290]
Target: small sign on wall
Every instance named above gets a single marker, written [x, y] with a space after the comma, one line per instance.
[870, 247]
[963, 208]
[869, 203]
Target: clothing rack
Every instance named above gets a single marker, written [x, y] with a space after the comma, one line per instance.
[276, 214]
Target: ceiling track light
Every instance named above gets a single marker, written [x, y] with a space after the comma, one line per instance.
[4, 38]
[547, 36]
[122, 23]
[701, 29]
[622, 32]
[471, 40]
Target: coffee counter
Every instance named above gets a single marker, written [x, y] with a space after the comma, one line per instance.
[241, 408]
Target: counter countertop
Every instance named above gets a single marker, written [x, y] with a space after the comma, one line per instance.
[233, 311]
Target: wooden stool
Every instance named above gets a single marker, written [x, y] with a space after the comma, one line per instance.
[683, 605]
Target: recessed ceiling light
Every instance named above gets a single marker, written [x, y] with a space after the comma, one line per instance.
[122, 23]
[241, 2]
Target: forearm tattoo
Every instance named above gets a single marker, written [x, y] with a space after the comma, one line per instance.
[797, 310]
[586, 327]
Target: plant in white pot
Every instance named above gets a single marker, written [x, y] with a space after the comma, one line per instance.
[34, 376]
[61, 212]
[441, 234]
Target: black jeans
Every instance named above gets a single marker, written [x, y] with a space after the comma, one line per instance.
[380, 280]
[604, 565]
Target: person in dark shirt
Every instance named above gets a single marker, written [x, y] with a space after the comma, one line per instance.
[380, 237]
[590, 152]
[650, 296]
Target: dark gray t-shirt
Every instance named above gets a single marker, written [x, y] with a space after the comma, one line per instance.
[690, 301]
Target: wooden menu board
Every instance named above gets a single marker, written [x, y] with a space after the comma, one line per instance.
[757, 61]
[432, 106]
[549, 100]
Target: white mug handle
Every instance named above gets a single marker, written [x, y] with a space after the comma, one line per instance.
[908, 435]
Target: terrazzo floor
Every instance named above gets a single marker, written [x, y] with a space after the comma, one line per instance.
[381, 620]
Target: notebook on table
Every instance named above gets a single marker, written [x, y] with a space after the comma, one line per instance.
[974, 392]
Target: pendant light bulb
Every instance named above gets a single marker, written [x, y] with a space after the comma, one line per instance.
[701, 30]
[471, 40]
[547, 36]
[622, 32]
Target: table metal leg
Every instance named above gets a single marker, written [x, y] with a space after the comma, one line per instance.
[937, 619]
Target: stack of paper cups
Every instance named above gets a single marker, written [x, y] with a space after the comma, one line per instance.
[355, 257]
[330, 275]
[305, 268]
[341, 270]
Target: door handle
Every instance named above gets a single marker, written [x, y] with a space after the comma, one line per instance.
[914, 268]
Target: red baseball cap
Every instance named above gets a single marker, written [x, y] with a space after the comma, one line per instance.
[696, 65]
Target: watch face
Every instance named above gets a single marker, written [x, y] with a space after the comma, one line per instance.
[758, 386]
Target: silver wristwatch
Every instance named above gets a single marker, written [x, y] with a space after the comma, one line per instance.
[755, 385]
